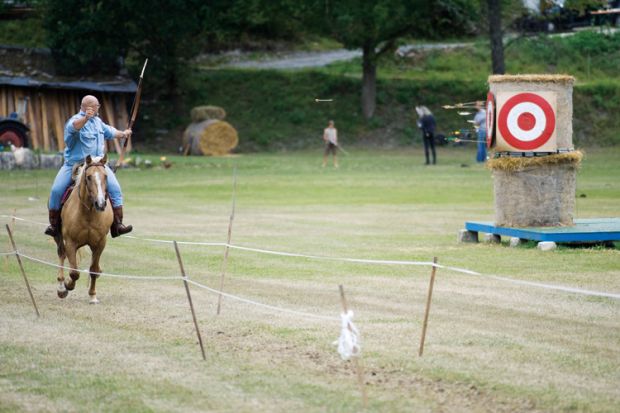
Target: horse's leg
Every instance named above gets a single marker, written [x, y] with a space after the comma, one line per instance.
[61, 290]
[94, 270]
[74, 274]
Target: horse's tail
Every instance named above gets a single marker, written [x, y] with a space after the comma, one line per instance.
[60, 245]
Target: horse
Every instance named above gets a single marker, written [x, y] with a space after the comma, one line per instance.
[86, 218]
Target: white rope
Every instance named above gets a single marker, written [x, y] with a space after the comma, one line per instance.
[22, 219]
[348, 343]
[132, 277]
[8, 253]
[288, 254]
[534, 283]
[256, 303]
[366, 261]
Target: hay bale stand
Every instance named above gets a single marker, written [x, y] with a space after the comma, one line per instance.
[535, 164]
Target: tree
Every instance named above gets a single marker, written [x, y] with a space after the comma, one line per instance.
[496, 36]
[375, 26]
[95, 37]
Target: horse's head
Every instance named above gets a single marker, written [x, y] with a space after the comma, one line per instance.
[94, 176]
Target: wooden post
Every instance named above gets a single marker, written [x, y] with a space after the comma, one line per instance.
[189, 298]
[21, 267]
[230, 223]
[6, 257]
[428, 306]
[356, 363]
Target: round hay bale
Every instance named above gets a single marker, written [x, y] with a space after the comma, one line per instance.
[192, 135]
[200, 113]
[218, 138]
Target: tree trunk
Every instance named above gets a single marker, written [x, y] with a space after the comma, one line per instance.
[369, 82]
[495, 33]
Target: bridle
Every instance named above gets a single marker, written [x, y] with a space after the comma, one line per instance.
[83, 182]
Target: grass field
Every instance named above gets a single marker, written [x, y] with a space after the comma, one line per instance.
[492, 346]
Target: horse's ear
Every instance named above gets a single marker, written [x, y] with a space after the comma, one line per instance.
[89, 160]
[104, 159]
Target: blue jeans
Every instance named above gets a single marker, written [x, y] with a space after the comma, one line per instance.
[481, 156]
[63, 180]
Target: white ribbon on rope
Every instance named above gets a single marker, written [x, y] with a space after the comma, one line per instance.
[349, 341]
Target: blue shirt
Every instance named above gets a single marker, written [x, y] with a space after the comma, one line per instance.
[86, 141]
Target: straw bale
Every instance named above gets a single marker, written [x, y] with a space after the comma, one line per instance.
[193, 133]
[561, 85]
[513, 164]
[200, 113]
[562, 79]
[218, 138]
[541, 194]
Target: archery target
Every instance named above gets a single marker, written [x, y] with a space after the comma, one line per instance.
[526, 122]
[490, 120]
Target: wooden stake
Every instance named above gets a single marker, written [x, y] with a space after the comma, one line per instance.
[6, 257]
[428, 306]
[189, 298]
[356, 363]
[21, 267]
[230, 223]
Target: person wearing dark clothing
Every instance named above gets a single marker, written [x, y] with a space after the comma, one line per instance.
[426, 122]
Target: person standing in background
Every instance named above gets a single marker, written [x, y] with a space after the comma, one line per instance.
[330, 136]
[426, 122]
[480, 122]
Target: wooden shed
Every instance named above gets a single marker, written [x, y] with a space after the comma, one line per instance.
[45, 101]
[49, 104]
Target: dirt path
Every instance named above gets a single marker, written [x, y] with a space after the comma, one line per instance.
[300, 60]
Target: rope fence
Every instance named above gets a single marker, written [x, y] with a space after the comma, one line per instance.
[515, 281]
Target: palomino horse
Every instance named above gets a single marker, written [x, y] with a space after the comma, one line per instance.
[86, 218]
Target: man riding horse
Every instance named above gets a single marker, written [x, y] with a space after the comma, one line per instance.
[85, 134]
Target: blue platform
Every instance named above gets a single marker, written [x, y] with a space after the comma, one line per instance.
[584, 230]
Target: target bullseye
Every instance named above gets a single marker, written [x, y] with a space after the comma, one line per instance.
[526, 121]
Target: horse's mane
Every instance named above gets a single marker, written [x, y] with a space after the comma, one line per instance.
[78, 170]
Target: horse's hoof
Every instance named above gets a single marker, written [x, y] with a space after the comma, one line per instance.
[94, 300]
[62, 294]
[70, 287]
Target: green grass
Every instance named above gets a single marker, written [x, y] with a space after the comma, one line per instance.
[491, 346]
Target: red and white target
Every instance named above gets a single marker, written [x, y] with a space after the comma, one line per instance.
[526, 122]
[490, 119]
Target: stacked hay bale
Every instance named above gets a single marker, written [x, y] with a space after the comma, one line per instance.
[534, 189]
[209, 134]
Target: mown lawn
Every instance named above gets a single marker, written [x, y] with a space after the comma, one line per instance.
[491, 345]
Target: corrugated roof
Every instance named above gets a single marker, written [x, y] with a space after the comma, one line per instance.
[115, 86]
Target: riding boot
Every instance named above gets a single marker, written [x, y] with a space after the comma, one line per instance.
[117, 225]
[54, 217]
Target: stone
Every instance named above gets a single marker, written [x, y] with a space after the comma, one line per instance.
[492, 238]
[515, 242]
[467, 236]
[547, 245]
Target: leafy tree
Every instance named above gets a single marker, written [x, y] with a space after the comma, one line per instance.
[96, 36]
[375, 26]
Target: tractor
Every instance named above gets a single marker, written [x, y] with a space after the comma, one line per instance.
[12, 130]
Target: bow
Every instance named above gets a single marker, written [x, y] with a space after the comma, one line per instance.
[132, 118]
